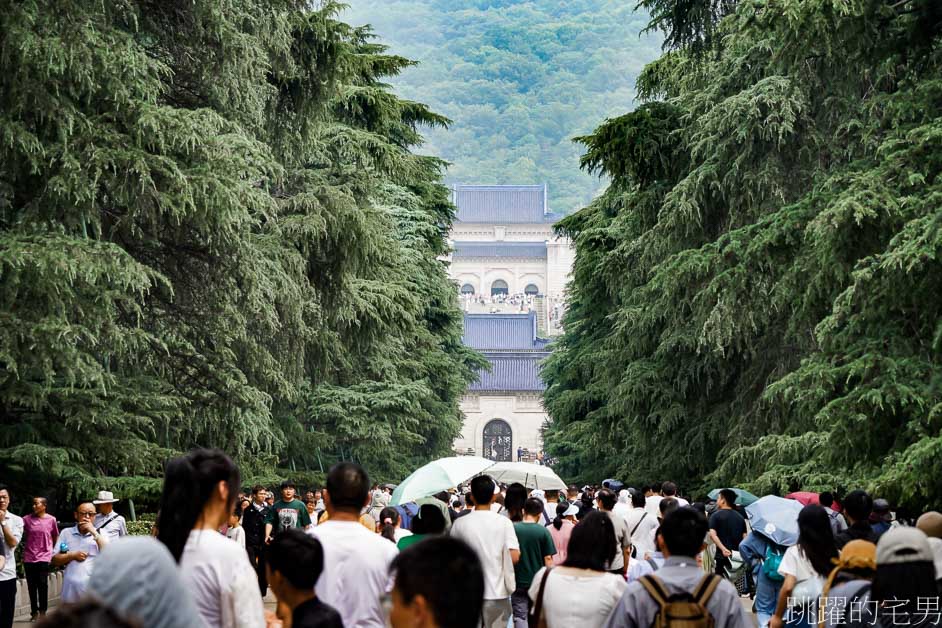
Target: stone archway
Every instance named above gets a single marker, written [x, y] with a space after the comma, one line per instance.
[499, 286]
[498, 441]
[531, 290]
[467, 289]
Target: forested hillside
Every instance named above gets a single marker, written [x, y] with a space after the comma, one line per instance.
[518, 79]
[213, 232]
[758, 294]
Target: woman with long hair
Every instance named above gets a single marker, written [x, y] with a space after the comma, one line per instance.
[514, 500]
[200, 491]
[561, 530]
[804, 568]
[580, 591]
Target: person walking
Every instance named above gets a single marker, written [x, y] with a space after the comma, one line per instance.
[606, 503]
[199, 492]
[683, 532]
[641, 526]
[295, 561]
[838, 523]
[764, 557]
[39, 538]
[580, 591]
[727, 530]
[428, 522]
[79, 547]
[536, 552]
[107, 521]
[12, 528]
[254, 518]
[287, 512]
[561, 529]
[493, 538]
[806, 564]
[356, 560]
[858, 506]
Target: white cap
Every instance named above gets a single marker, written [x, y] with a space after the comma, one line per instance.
[572, 511]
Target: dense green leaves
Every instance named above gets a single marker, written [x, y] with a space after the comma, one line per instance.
[519, 79]
[213, 232]
[756, 298]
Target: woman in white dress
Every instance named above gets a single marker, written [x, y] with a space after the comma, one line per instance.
[580, 592]
[199, 493]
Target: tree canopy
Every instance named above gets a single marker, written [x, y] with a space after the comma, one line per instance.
[519, 79]
[757, 295]
[213, 232]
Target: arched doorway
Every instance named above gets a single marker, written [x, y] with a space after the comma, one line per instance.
[467, 289]
[498, 441]
[531, 290]
[499, 287]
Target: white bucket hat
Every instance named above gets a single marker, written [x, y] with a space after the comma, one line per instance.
[105, 497]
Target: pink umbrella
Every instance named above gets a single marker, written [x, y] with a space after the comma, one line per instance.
[806, 498]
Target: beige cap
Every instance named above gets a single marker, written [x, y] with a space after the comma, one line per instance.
[903, 545]
[931, 524]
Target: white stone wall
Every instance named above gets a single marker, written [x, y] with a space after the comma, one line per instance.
[468, 232]
[481, 273]
[560, 257]
[522, 411]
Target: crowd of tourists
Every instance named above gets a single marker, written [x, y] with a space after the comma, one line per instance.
[481, 554]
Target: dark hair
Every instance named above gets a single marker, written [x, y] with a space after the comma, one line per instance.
[668, 489]
[858, 504]
[287, 484]
[482, 489]
[4, 487]
[448, 574]
[389, 529]
[561, 508]
[189, 482]
[468, 500]
[533, 507]
[42, 499]
[906, 583]
[258, 488]
[667, 505]
[826, 499]
[606, 498]
[815, 538]
[552, 493]
[297, 556]
[429, 520]
[88, 612]
[729, 496]
[645, 488]
[684, 531]
[592, 544]
[637, 499]
[514, 501]
[656, 487]
[348, 486]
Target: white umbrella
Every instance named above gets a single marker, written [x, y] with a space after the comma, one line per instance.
[438, 475]
[530, 475]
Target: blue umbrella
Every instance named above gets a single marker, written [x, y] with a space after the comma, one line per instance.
[775, 518]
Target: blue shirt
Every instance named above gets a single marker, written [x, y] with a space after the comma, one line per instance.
[753, 549]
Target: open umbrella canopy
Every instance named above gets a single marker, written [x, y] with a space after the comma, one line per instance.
[743, 497]
[775, 518]
[530, 475]
[438, 475]
[807, 498]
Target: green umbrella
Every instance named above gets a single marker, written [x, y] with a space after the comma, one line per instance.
[743, 498]
[438, 475]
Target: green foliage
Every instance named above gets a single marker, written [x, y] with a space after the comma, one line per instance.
[519, 79]
[757, 297]
[213, 232]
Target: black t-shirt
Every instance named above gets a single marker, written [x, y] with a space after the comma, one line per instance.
[315, 614]
[730, 527]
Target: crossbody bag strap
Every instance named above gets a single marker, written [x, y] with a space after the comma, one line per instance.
[106, 522]
[635, 529]
[536, 619]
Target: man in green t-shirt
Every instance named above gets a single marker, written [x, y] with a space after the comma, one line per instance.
[536, 551]
[288, 512]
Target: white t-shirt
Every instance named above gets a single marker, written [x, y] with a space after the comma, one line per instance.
[795, 564]
[77, 573]
[114, 529]
[14, 524]
[644, 526]
[224, 586]
[652, 505]
[237, 534]
[356, 572]
[577, 597]
[492, 537]
[401, 533]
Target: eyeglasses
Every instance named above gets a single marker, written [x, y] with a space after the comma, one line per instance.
[85, 513]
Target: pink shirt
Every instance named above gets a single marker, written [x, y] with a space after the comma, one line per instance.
[561, 540]
[39, 535]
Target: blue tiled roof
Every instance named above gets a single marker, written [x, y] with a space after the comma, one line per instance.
[502, 204]
[502, 332]
[511, 371]
[499, 249]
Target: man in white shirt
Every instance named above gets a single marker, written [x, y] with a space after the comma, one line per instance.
[83, 543]
[605, 499]
[493, 539]
[642, 526]
[356, 561]
[107, 521]
[669, 489]
[12, 527]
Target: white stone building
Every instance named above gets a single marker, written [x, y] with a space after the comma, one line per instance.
[511, 272]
